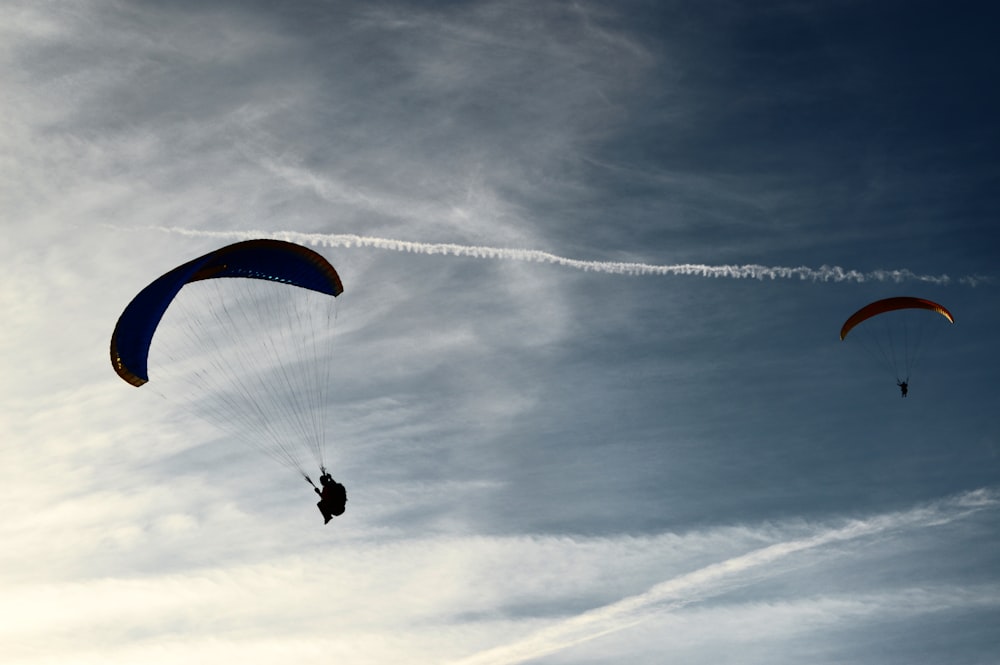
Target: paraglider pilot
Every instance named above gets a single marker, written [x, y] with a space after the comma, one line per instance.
[903, 387]
[332, 498]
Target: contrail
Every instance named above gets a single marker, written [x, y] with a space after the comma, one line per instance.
[747, 271]
[717, 578]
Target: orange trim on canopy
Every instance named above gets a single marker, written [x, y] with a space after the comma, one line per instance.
[889, 305]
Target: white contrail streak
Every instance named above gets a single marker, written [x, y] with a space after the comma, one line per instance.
[747, 271]
[715, 579]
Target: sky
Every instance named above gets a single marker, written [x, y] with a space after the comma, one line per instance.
[588, 395]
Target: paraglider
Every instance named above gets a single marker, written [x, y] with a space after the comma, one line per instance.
[251, 354]
[332, 498]
[897, 341]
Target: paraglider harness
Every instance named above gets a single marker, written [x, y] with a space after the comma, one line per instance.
[333, 496]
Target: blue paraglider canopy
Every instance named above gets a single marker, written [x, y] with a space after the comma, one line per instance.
[272, 260]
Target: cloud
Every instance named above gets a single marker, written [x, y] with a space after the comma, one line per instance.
[809, 628]
[746, 271]
[718, 578]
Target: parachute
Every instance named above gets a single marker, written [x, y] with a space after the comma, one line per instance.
[251, 354]
[889, 305]
[897, 337]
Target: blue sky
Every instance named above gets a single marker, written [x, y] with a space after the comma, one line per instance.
[552, 455]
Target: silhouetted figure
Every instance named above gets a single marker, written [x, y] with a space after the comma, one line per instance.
[332, 498]
[903, 387]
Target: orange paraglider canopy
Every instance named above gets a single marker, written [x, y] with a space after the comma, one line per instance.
[889, 305]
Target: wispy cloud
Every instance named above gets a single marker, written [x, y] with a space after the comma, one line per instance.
[745, 271]
[284, 597]
[717, 578]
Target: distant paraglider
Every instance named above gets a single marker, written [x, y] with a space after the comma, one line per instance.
[896, 337]
[250, 354]
[889, 305]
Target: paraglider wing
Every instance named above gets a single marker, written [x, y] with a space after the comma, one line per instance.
[889, 305]
[272, 260]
